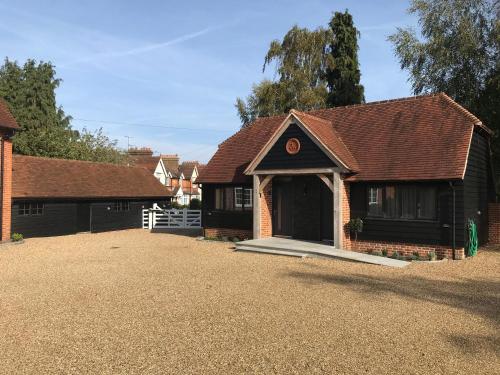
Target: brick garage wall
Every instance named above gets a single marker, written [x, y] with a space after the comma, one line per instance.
[266, 209]
[407, 249]
[226, 232]
[6, 188]
[494, 223]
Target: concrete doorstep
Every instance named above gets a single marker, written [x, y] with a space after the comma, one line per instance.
[289, 247]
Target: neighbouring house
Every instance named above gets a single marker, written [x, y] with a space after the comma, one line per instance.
[415, 170]
[180, 177]
[57, 196]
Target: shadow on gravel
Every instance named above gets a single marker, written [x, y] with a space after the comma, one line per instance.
[475, 296]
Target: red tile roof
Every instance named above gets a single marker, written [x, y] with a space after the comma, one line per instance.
[37, 177]
[148, 162]
[6, 118]
[417, 138]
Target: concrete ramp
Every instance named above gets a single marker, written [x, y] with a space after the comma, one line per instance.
[302, 249]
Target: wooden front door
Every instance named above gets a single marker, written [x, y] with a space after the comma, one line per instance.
[283, 207]
[302, 208]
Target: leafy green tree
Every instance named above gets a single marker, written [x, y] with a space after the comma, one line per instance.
[458, 53]
[46, 130]
[299, 66]
[342, 73]
[313, 69]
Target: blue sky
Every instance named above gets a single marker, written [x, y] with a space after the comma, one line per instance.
[175, 64]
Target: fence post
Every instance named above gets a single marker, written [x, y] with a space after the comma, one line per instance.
[150, 219]
[184, 218]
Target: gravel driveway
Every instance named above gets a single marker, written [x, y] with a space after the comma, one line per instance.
[133, 302]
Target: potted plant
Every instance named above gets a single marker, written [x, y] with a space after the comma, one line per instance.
[355, 226]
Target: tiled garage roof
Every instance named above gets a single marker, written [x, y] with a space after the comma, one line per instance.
[37, 177]
[417, 138]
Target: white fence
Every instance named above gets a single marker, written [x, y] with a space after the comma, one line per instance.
[155, 218]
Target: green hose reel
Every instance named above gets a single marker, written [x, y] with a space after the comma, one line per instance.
[472, 245]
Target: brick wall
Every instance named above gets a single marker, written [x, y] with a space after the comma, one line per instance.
[266, 209]
[346, 216]
[407, 249]
[6, 189]
[494, 223]
[242, 234]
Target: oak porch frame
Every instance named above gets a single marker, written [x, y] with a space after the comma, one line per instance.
[262, 178]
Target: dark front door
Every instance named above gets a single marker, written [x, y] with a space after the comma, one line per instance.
[83, 217]
[283, 207]
[302, 209]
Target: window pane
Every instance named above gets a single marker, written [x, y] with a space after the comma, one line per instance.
[219, 196]
[248, 198]
[426, 208]
[375, 201]
[229, 199]
[408, 202]
[238, 196]
[391, 202]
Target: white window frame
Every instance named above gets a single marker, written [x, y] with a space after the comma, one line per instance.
[250, 196]
[236, 190]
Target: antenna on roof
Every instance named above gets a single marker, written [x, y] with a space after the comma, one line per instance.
[128, 142]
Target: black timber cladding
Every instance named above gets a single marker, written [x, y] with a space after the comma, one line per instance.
[478, 187]
[62, 217]
[430, 232]
[212, 218]
[309, 156]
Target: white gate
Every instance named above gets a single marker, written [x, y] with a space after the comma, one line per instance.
[155, 218]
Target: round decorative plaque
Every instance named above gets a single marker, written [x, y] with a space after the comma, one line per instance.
[292, 146]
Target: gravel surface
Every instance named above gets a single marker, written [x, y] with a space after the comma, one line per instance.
[134, 302]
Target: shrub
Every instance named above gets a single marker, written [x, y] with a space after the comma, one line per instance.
[16, 237]
[195, 204]
[384, 252]
[355, 226]
[395, 255]
[235, 239]
[416, 255]
[377, 253]
[412, 257]
[432, 255]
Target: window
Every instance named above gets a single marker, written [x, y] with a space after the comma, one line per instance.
[30, 209]
[121, 206]
[375, 201]
[219, 199]
[233, 198]
[247, 198]
[238, 197]
[408, 202]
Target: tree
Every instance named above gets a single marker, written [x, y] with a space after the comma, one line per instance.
[300, 66]
[45, 129]
[342, 73]
[458, 54]
[314, 69]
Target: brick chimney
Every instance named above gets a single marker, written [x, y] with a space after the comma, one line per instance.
[143, 151]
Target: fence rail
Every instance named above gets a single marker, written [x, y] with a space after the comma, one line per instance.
[156, 218]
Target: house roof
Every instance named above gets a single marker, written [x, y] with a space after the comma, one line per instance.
[39, 177]
[6, 118]
[148, 162]
[187, 168]
[417, 138]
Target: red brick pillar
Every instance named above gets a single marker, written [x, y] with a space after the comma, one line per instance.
[346, 216]
[6, 162]
[266, 209]
[494, 223]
